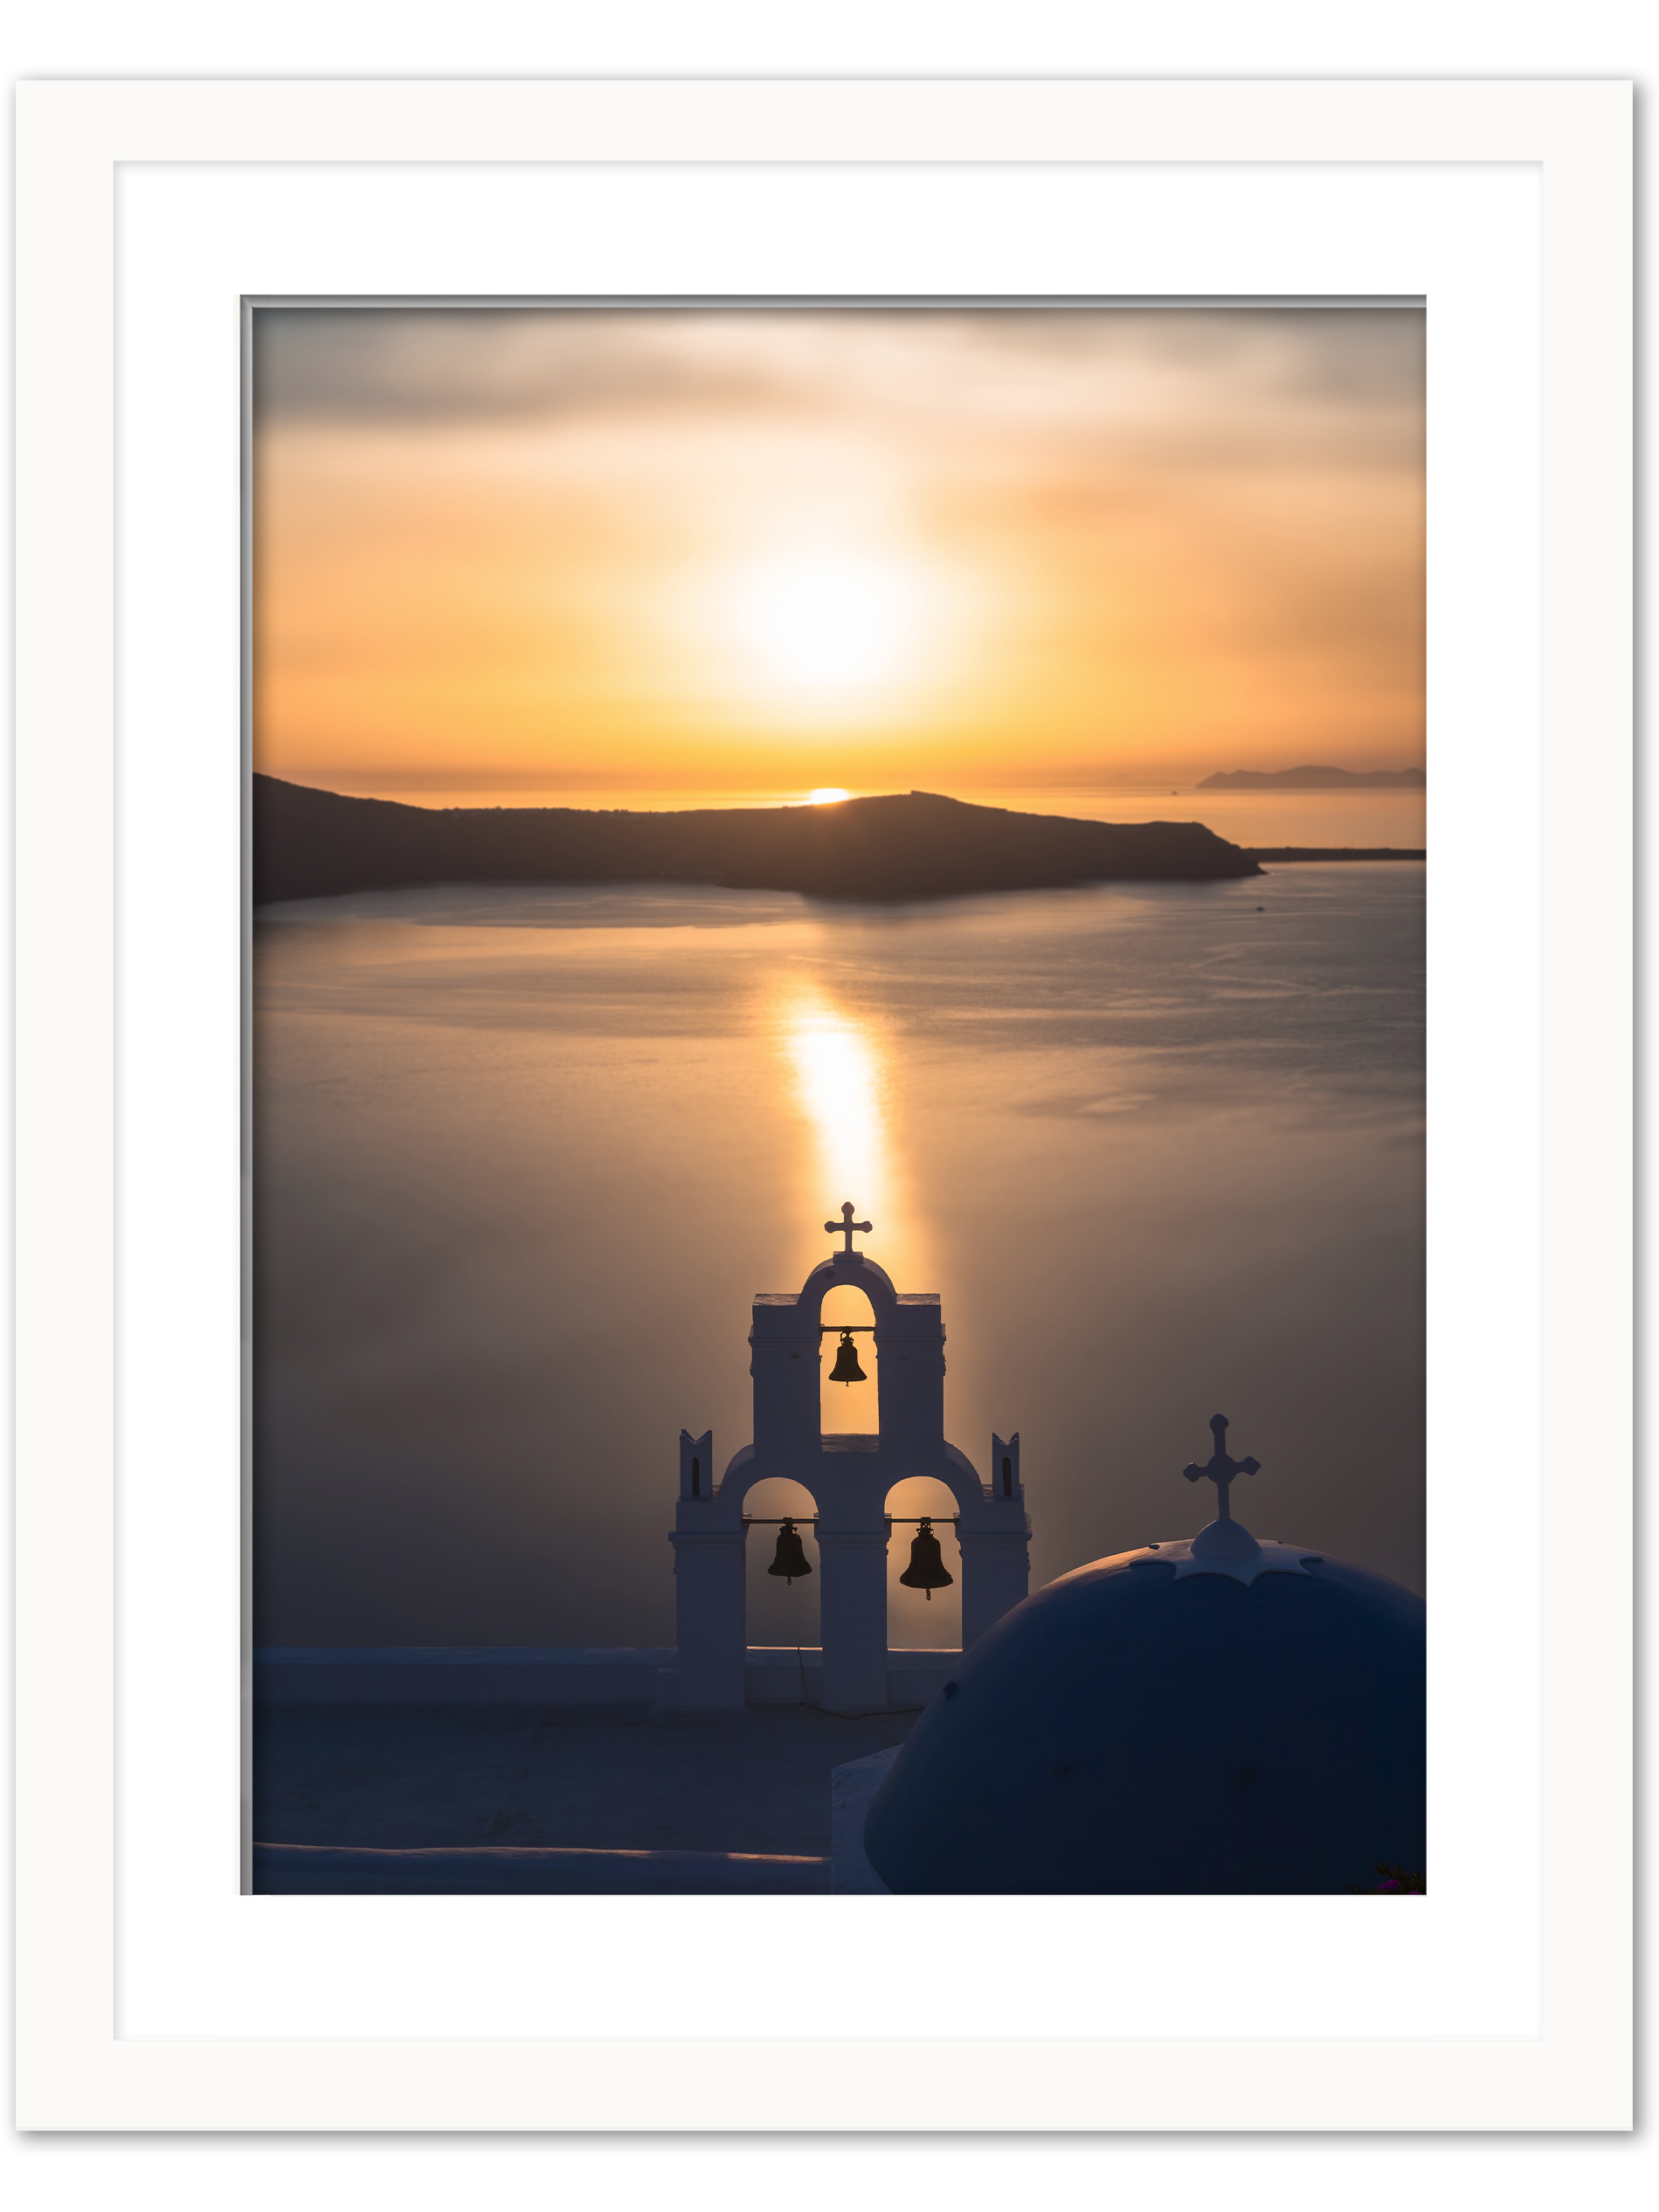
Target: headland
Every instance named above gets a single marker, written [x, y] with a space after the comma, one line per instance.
[316, 844]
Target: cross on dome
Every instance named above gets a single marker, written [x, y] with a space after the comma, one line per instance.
[1219, 1468]
[846, 1225]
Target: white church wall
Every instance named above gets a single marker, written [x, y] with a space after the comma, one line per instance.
[772, 1675]
[457, 1676]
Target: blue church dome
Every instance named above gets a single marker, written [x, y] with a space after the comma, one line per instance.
[1202, 1716]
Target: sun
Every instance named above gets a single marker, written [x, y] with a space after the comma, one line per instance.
[824, 625]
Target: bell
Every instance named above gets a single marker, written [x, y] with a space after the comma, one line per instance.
[846, 1368]
[927, 1569]
[789, 1560]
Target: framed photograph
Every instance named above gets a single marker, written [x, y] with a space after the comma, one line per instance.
[887, 547]
[577, 995]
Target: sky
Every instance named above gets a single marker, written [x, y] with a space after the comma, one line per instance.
[517, 556]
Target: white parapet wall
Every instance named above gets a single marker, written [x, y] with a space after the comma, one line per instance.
[528, 1675]
[792, 1674]
[455, 1675]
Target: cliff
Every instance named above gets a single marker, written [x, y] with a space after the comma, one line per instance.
[313, 844]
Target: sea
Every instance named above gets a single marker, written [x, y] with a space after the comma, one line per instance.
[525, 1155]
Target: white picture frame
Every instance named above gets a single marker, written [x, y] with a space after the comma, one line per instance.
[103, 1144]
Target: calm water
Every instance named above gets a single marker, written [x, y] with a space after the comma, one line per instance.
[525, 1155]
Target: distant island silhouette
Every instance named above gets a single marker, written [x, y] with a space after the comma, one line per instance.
[1336, 851]
[313, 844]
[1316, 779]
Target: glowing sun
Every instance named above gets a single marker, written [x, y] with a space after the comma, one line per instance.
[822, 624]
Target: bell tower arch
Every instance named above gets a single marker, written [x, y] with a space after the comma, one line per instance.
[850, 1477]
[849, 1399]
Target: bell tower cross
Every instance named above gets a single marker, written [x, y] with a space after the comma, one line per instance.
[846, 1225]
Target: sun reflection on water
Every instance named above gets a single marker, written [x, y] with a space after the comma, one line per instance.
[840, 1088]
[839, 1085]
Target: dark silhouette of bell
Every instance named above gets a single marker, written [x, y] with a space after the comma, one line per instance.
[789, 1560]
[927, 1569]
[846, 1368]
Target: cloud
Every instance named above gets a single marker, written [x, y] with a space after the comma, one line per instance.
[477, 364]
[502, 538]
[1048, 371]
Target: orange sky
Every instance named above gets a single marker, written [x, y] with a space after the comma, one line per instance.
[501, 557]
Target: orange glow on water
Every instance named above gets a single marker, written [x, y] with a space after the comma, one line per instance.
[838, 1082]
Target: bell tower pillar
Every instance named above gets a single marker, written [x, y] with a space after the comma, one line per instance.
[708, 1614]
[996, 1577]
[995, 1536]
[853, 1616]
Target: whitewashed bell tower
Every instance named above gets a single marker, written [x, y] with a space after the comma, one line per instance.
[849, 1478]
